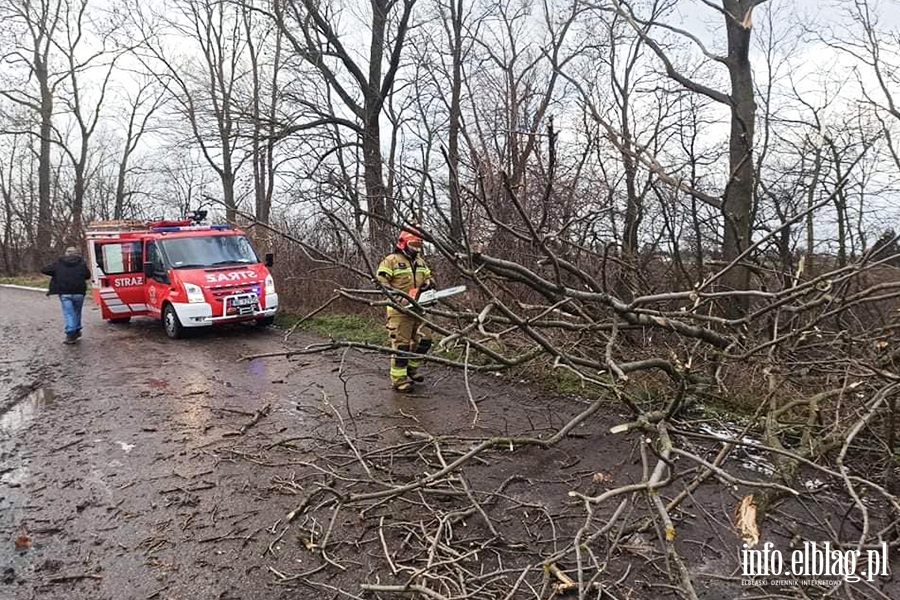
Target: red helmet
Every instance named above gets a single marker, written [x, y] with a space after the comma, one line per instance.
[409, 240]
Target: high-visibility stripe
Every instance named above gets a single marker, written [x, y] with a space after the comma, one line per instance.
[138, 306]
[402, 272]
[398, 371]
[414, 363]
[118, 309]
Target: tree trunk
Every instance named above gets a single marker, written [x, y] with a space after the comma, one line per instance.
[228, 192]
[266, 208]
[119, 208]
[456, 218]
[841, 208]
[42, 250]
[840, 205]
[632, 201]
[810, 223]
[78, 201]
[632, 205]
[737, 205]
[259, 157]
[376, 193]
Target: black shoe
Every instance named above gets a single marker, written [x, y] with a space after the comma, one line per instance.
[71, 338]
[416, 378]
[77, 333]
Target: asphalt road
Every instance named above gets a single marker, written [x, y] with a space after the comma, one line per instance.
[124, 472]
[137, 467]
[111, 479]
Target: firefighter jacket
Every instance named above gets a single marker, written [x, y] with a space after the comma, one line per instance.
[397, 271]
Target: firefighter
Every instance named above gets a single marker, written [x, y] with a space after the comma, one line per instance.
[405, 270]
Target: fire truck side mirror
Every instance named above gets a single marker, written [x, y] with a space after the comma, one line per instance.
[269, 259]
[148, 269]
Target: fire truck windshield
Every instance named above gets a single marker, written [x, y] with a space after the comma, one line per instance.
[208, 251]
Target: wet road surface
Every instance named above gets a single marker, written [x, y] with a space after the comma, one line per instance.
[124, 470]
[137, 467]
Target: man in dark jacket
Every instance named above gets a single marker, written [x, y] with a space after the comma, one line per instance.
[68, 277]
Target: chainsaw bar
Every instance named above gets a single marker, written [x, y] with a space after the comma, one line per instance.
[432, 296]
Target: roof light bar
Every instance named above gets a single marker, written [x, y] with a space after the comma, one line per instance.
[190, 228]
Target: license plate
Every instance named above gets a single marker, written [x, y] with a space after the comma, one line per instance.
[241, 301]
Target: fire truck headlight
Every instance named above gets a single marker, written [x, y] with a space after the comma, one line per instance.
[270, 285]
[194, 293]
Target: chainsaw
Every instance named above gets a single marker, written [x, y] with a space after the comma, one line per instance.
[431, 296]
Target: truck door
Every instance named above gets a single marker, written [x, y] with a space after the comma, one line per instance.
[120, 279]
[157, 288]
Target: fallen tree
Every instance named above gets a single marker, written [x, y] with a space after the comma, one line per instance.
[811, 360]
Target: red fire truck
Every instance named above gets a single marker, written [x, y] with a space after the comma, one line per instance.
[182, 272]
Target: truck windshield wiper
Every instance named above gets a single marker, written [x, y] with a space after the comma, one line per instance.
[230, 262]
[190, 266]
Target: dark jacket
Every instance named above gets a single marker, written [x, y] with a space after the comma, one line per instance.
[68, 275]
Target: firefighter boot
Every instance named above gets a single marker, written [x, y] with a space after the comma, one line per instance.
[412, 370]
[399, 370]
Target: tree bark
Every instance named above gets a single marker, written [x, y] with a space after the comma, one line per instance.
[43, 248]
[738, 203]
[373, 174]
[456, 218]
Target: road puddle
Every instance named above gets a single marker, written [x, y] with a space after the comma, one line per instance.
[24, 411]
[15, 418]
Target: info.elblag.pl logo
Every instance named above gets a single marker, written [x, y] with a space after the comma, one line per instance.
[815, 560]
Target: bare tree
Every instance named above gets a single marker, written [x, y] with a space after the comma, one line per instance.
[454, 29]
[80, 63]
[263, 108]
[142, 107]
[737, 200]
[33, 49]
[309, 28]
[202, 85]
[12, 204]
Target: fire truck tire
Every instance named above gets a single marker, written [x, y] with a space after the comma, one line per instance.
[265, 322]
[172, 324]
[120, 320]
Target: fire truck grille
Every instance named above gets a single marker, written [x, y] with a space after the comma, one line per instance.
[221, 291]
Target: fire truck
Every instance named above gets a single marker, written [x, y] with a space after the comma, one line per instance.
[181, 272]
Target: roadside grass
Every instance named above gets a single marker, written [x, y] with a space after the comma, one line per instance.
[29, 280]
[349, 328]
[651, 391]
[367, 329]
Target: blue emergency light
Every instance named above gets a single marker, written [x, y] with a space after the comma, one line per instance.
[190, 228]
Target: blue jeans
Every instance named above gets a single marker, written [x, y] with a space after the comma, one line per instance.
[71, 309]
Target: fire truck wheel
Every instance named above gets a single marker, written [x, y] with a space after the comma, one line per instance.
[265, 322]
[120, 320]
[170, 320]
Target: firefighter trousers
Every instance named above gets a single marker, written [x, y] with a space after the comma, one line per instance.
[406, 336]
